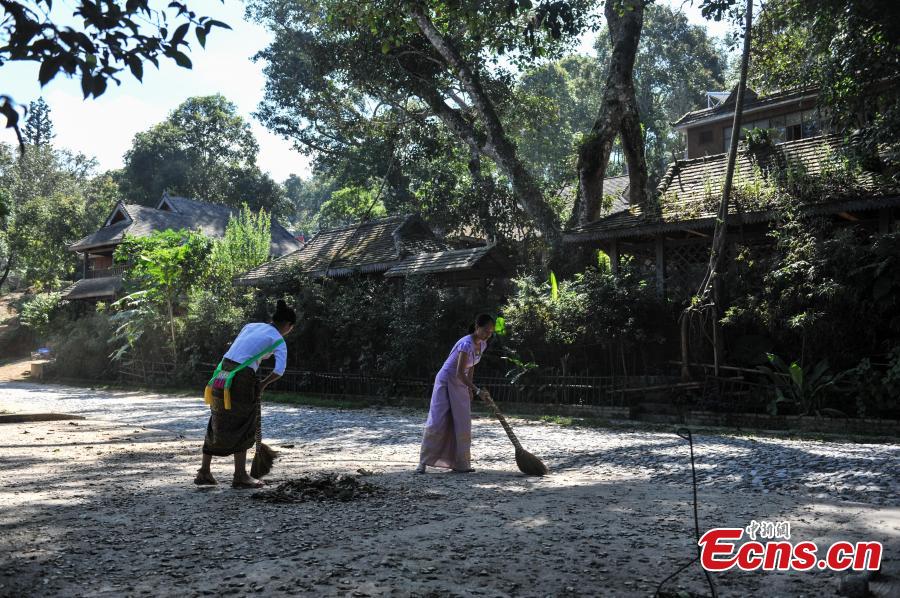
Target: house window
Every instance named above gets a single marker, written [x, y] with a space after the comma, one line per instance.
[706, 137]
[776, 125]
[811, 124]
[745, 126]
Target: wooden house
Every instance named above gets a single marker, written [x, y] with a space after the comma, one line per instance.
[672, 245]
[101, 278]
[393, 247]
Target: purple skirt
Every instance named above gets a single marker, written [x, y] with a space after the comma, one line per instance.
[448, 431]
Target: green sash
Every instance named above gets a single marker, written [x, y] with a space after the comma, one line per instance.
[226, 394]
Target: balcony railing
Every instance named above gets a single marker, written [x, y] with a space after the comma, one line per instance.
[103, 272]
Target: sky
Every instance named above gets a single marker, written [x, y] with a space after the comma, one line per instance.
[104, 127]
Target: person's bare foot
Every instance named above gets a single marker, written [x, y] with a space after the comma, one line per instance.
[205, 478]
[245, 481]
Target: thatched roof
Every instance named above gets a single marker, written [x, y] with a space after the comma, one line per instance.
[396, 246]
[690, 191]
[478, 261]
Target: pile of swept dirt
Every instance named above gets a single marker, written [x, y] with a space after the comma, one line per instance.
[324, 487]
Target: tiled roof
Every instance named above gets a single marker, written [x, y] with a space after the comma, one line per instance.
[439, 262]
[210, 219]
[690, 192]
[752, 102]
[372, 246]
[107, 235]
[213, 219]
[93, 288]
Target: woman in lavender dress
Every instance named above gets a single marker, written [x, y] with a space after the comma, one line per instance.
[448, 431]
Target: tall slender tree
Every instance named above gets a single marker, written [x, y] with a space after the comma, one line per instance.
[708, 297]
[38, 128]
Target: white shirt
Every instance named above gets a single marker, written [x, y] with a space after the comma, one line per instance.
[254, 338]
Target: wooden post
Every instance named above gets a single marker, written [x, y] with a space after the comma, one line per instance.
[84, 266]
[614, 256]
[884, 221]
[660, 267]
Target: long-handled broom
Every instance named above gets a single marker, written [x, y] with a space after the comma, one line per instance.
[528, 463]
[264, 455]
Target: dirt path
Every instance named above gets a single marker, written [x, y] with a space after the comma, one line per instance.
[105, 507]
[15, 371]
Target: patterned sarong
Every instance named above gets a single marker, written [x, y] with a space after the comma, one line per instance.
[233, 430]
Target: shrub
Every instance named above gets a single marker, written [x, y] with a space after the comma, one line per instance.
[595, 318]
[82, 347]
[37, 313]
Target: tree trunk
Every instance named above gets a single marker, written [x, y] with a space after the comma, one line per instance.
[719, 235]
[618, 115]
[713, 269]
[495, 144]
[172, 330]
[9, 261]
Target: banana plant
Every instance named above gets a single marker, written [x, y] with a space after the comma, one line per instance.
[519, 368]
[794, 385]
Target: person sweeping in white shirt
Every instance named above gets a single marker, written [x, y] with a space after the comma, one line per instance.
[234, 391]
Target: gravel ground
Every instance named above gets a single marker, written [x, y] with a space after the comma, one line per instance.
[106, 507]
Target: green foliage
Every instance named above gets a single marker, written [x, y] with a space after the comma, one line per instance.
[348, 205]
[593, 310]
[204, 150]
[38, 312]
[38, 129]
[161, 269]
[417, 312]
[48, 202]
[81, 345]
[138, 324]
[165, 263]
[361, 87]
[246, 244]
[874, 387]
[519, 369]
[216, 308]
[823, 292]
[305, 197]
[802, 390]
[846, 50]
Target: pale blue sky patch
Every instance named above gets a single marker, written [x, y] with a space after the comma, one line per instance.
[105, 127]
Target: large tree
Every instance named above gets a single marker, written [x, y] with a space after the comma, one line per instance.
[343, 63]
[617, 116]
[675, 64]
[204, 150]
[51, 199]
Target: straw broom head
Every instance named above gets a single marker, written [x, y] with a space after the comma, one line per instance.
[262, 460]
[529, 464]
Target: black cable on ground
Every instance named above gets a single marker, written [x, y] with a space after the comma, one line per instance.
[686, 434]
